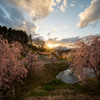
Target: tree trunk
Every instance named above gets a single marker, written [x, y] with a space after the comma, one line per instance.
[98, 77]
[13, 93]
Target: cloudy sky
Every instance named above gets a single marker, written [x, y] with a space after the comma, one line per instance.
[52, 19]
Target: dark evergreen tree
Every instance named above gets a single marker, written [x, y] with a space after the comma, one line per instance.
[14, 35]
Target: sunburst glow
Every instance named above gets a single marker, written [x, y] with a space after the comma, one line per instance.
[52, 45]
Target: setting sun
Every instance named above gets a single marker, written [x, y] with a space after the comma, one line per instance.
[52, 45]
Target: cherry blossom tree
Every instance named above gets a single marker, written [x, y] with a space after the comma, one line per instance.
[12, 68]
[86, 55]
[32, 62]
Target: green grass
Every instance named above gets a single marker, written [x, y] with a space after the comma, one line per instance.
[91, 88]
[47, 84]
[53, 85]
[41, 85]
[51, 71]
[39, 93]
[47, 88]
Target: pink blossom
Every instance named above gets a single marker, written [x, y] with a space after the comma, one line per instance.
[87, 55]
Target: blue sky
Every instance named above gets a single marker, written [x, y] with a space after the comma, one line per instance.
[54, 20]
[57, 21]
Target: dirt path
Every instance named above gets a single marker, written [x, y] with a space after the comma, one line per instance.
[62, 97]
[65, 94]
[49, 62]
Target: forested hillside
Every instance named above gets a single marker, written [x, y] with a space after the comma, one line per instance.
[14, 35]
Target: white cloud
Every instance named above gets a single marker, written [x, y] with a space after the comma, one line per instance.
[81, 6]
[63, 6]
[90, 15]
[39, 8]
[72, 4]
[58, 1]
[65, 3]
[25, 14]
[53, 31]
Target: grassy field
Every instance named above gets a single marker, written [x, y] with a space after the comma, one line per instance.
[46, 85]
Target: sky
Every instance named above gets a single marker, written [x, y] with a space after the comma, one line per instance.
[57, 21]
